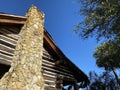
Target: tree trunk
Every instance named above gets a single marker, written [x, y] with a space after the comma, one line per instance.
[116, 76]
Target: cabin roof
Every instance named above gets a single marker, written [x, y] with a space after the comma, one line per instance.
[20, 20]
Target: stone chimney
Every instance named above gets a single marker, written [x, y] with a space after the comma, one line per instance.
[25, 72]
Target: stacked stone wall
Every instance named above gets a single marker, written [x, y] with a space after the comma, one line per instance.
[25, 72]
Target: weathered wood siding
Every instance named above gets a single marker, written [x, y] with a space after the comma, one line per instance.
[51, 71]
[8, 40]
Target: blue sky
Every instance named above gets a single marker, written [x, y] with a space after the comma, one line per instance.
[61, 16]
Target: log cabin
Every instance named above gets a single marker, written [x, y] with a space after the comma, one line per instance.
[58, 71]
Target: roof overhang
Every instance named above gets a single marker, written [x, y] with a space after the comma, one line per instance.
[12, 19]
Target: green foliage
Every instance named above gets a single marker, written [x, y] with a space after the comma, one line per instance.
[108, 55]
[102, 18]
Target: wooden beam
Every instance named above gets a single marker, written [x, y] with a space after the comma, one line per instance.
[9, 58]
[12, 19]
[52, 44]
[6, 48]
[7, 41]
[9, 34]
[66, 78]
[54, 70]
[5, 61]
[7, 53]
[8, 44]
[59, 62]
[76, 87]
[3, 37]
[47, 87]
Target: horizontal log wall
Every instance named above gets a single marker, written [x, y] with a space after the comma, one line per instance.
[51, 71]
[8, 40]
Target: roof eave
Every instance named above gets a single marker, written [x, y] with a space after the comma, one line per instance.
[12, 19]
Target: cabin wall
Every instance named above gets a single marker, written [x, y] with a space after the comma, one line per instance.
[8, 40]
[51, 72]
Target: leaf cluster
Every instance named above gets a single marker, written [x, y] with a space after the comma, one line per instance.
[108, 55]
[102, 18]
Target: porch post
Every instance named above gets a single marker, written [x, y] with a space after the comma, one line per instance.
[76, 87]
[59, 82]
